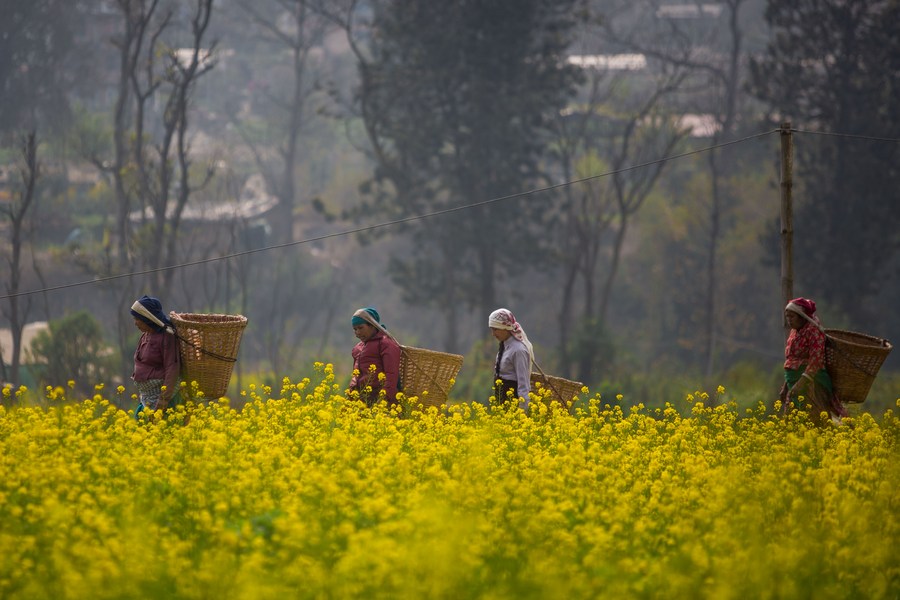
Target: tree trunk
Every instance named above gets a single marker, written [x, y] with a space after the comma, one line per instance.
[714, 225]
[451, 306]
[18, 216]
[565, 318]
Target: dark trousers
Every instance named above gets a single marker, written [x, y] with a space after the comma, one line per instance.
[505, 385]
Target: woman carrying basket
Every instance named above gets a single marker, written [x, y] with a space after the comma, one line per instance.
[804, 364]
[376, 359]
[157, 363]
[512, 368]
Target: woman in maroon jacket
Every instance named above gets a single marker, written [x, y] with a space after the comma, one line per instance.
[376, 359]
[156, 361]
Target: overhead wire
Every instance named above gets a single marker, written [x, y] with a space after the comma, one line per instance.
[846, 135]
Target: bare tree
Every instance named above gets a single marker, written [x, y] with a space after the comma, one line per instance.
[293, 26]
[584, 215]
[137, 46]
[617, 128]
[692, 38]
[18, 213]
[152, 72]
[150, 168]
[181, 74]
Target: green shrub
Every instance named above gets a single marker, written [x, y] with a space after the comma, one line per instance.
[72, 349]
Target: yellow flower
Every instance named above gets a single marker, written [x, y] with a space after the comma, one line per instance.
[327, 496]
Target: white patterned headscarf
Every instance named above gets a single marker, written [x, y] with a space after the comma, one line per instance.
[502, 318]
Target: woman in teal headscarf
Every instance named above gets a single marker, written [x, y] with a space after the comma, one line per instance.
[376, 353]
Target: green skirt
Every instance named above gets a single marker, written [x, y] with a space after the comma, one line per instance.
[792, 376]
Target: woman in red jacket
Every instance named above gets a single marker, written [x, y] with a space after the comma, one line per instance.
[804, 364]
[376, 359]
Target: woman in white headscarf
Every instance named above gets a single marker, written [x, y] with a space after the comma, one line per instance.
[512, 368]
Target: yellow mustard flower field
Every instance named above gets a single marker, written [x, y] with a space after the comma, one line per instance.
[304, 494]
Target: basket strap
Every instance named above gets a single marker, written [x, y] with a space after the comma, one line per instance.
[203, 350]
[547, 379]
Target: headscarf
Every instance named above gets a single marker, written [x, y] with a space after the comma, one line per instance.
[806, 308]
[502, 318]
[373, 317]
[149, 310]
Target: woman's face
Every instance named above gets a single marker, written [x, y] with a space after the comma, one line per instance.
[501, 334]
[363, 332]
[142, 326]
[794, 320]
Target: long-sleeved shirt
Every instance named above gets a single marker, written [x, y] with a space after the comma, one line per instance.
[384, 353]
[156, 357]
[515, 365]
[805, 346]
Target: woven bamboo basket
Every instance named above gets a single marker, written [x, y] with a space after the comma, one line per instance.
[853, 360]
[209, 345]
[424, 370]
[557, 386]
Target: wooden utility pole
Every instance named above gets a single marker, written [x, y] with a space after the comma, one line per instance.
[787, 218]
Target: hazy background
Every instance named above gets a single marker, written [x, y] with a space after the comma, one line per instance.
[303, 139]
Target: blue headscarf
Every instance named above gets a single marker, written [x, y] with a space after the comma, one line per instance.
[361, 321]
[149, 310]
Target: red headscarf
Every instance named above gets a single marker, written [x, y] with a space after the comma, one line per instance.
[805, 304]
[806, 308]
